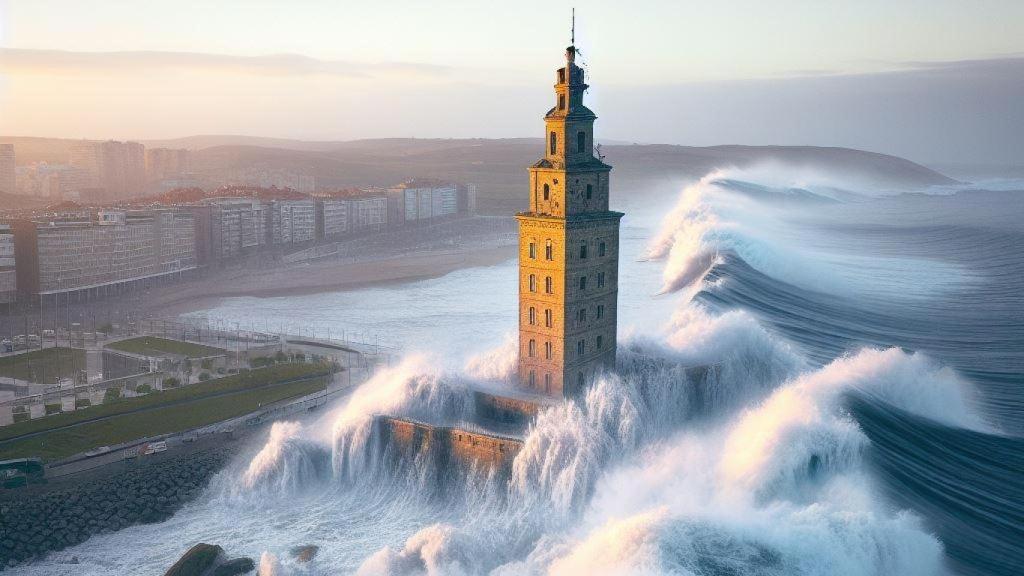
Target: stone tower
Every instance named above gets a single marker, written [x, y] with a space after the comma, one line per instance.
[568, 252]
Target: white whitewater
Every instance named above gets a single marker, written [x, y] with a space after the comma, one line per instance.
[758, 470]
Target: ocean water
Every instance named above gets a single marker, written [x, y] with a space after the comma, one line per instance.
[865, 417]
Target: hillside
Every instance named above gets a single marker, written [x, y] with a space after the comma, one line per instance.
[498, 167]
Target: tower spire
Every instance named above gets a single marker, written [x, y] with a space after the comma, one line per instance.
[572, 38]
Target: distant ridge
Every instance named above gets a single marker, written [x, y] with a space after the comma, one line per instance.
[497, 166]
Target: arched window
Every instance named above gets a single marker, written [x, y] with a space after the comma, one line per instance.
[547, 318]
[583, 252]
[581, 316]
[600, 311]
[547, 350]
[554, 143]
[533, 315]
[600, 279]
[547, 192]
[561, 101]
[590, 191]
[533, 282]
[549, 251]
[600, 249]
[581, 141]
[548, 285]
[583, 282]
[533, 348]
[581, 347]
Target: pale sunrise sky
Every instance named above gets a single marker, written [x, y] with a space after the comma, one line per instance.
[935, 80]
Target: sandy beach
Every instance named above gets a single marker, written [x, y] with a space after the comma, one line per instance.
[323, 276]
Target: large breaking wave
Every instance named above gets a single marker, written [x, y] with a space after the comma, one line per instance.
[837, 424]
[758, 468]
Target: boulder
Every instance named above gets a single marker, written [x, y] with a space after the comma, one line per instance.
[197, 560]
[235, 567]
[304, 554]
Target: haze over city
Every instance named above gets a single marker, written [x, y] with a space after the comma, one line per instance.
[943, 78]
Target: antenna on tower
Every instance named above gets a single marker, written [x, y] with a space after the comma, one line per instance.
[572, 39]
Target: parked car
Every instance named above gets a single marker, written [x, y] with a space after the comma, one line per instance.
[97, 451]
[49, 334]
[7, 345]
[20, 472]
[155, 447]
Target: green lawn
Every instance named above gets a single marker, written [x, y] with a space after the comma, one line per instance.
[248, 391]
[151, 345]
[43, 366]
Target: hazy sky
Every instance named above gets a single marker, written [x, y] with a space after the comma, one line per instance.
[934, 80]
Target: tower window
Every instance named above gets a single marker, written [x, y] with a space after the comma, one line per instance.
[583, 282]
[581, 347]
[600, 279]
[547, 350]
[600, 311]
[600, 249]
[583, 252]
[548, 286]
[590, 191]
[561, 101]
[547, 191]
[554, 143]
[533, 282]
[549, 251]
[561, 75]
[547, 318]
[533, 250]
[533, 315]
[581, 141]
[532, 348]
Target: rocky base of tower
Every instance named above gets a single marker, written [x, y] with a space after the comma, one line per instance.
[496, 434]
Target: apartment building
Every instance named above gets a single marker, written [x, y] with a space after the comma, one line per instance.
[8, 274]
[237, 226]
[167, 163]
[103, 249]
[112, 170]
[368, 213]
[419, 200]
[332, 218]
[292, 221]
[8, 181]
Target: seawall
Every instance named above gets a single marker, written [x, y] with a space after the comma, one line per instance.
[36, 520]
[450, 445]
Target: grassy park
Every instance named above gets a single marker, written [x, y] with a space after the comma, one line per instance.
[43, 366]
[153, 346]
[158, 413]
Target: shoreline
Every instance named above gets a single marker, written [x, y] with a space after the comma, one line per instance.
[320, 277]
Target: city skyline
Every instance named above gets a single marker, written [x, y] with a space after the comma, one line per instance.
[912, 91]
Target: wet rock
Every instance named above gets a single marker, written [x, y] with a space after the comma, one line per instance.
[197, 560]
[304, 553]
[235, 567]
